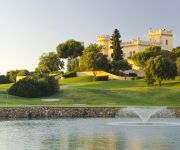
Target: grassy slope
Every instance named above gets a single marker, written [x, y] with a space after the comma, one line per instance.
[84, 92]
[122, 93]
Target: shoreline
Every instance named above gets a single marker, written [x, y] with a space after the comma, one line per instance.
[64, 112]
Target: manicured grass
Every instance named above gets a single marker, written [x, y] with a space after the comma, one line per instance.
[83, 92]
[75, 80]
[5, 86]
[120, 93]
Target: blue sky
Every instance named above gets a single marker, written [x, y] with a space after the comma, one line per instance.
[30, 27]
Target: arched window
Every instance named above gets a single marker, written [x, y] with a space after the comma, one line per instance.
[134, 52]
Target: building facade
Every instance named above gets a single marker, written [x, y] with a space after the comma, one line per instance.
[161, 37]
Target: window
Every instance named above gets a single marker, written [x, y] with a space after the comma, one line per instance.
[134, 52]
[130, 54]
[166, 42]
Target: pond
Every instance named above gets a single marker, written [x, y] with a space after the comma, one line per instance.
[90, 134]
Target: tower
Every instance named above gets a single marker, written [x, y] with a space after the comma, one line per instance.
[105, 42]
[162, 36]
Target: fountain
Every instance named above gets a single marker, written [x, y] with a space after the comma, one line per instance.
[144, 114]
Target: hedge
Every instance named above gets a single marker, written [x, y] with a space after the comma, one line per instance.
[101, 78]
[70, 74]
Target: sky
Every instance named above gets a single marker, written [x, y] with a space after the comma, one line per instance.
[29, 28]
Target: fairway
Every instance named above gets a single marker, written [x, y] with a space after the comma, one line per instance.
[83, 92]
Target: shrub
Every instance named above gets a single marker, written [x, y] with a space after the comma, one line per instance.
[29, 87]
[101, 78]
[4, 79]
[131, 74]
[137, 78]
[25, 88]
[70, 74]
[121, 74]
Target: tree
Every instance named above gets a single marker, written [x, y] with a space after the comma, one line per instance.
[116, 46]
[70, 49]
[140, 58]
[120, 65]
[11, 75]
[23, 73]
[169, 55]
[178, 65]
[158, 69]
[74, 65]
[50, 62]
[176, 51]
[93, 60]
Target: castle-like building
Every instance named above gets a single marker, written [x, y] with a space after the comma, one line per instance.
[161, 37]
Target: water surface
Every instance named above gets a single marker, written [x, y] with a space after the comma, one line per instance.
[90, 134]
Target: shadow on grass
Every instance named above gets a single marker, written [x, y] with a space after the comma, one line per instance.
[172, 84]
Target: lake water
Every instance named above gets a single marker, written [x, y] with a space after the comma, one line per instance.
[90, 134]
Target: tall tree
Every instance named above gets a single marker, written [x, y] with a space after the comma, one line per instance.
[159, 68]
[70, 49]
[93, 60]
[50, 62]
[116, 46]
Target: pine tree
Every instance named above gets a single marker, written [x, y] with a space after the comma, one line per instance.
[116, 46]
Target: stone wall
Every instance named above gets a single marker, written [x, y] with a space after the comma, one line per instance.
[60, 112]
[55, 112]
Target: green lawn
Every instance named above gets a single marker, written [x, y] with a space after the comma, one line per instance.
[82, 91]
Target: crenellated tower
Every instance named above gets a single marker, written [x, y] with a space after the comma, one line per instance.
[162, 36]
[105, 42]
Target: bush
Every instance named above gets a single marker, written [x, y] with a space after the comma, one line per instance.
[29, 87]
[101, 78]
[4, 79]
[70, 74]
[121, 74]
[137, 78]
[132, 74]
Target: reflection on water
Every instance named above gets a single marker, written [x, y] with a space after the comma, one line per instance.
[86, 134]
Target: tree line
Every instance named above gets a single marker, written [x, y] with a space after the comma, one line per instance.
[158, 64]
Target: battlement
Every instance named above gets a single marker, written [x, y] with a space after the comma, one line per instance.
[138, 41]
[103, 37]
[160, 32]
